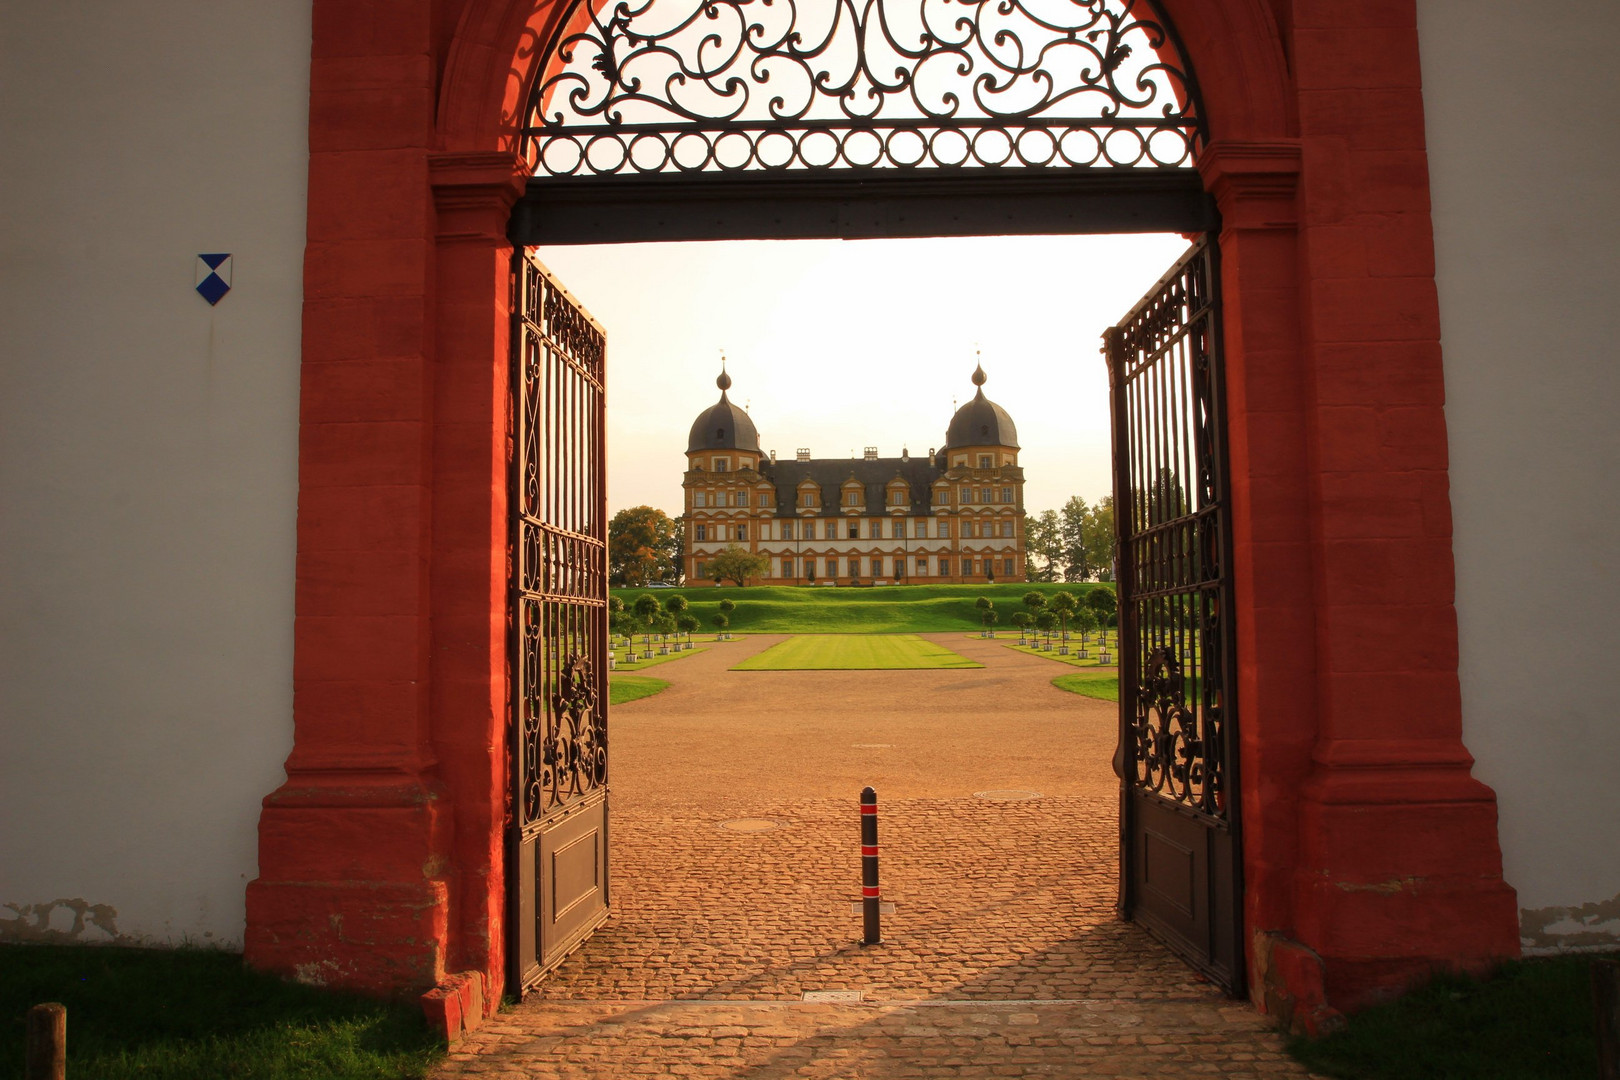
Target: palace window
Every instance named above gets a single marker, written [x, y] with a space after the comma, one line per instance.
[702, 532]
[702, 571]
[1007, 567]
[1006, 495]
[984, 461]
[945, 568]
[742, 532]
[722, 464]
[922, 566]
[943, 495]
[1006, 528]
[700, 498]
[742, 498]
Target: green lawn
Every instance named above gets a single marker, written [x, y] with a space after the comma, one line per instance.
[832, 652]
[886, 609]
[1074, 647]
[626, 665]
[1531, 1020]
[623, 688]
[195, 1014]
[1102, 685]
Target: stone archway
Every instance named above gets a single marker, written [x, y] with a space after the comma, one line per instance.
[1370, 852]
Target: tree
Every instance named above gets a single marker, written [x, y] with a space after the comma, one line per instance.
[1044, 621]
[1071, 539]
[728, 605]
[646, 610]
[1043, 546]
[1085, 621]
[1034, 601]
[721, 620]
[676, 605]
[738, 564]
[1097, 537]
[674, 552]
[1105, 604]
[990, 618]
[1063, 605]
[687, 624]
[639, 541]
[1022, 620]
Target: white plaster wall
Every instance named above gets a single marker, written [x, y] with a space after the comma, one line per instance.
[1523, 113]
[148, 455]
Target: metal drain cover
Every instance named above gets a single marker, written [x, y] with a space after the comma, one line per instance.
[1006, 795]
[844, 996]
[751, 824]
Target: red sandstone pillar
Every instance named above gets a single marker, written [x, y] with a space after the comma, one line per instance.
[473, 195]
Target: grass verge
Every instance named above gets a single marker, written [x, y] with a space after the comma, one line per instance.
[833, 652]
[1529, 1020]
[639, 664]
[885, 609]
[1103, 687]
[1072, 660]
[198, 1014]
[623, 688]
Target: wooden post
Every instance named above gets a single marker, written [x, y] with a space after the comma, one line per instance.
[47, 1042]
[1606, 1004]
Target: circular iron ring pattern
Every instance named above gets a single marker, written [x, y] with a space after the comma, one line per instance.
[643, 87]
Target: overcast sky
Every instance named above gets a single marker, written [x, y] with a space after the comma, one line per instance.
[838, 345]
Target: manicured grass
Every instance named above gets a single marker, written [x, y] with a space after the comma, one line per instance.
[195, 1014]
[833, 652]
[623, 688]
[886, 609]
[1074, 646]
[626, 665]
[1531, 1020]
[1102, 685]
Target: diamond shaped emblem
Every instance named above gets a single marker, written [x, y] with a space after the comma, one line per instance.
[213, 277]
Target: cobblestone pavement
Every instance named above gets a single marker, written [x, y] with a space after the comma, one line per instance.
[998, 826]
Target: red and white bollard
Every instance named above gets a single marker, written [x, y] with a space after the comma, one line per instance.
[870, 897]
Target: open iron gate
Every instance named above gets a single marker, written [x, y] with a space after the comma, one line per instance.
[1181, 870]
[558, 854]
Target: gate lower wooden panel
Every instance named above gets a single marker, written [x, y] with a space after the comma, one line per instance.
[559, 853]
[1180, 873]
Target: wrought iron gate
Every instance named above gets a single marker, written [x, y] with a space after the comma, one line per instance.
[558, 862]
[1179, 836]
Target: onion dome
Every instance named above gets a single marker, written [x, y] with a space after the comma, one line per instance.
[722, 426]
[981, 422]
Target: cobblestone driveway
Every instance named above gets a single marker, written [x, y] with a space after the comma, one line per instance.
[1002, 957]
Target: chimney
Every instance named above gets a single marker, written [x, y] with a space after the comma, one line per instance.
[804, 453]
[773, 457]
[905, 454]
[871, 453]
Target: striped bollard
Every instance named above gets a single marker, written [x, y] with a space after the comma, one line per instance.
[870, 897]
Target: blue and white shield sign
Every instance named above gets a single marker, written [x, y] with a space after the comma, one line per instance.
[213, 277]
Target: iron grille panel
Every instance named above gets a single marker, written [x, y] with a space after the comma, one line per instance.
[638, 87]
[559, 532]
[1170, 504]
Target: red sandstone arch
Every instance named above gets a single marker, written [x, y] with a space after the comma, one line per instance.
[1370, 852]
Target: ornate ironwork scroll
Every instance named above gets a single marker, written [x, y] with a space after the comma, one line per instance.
[1170, 515]
[636, 87]
[559, 531]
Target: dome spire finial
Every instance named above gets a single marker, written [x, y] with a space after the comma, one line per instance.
[978, 369]
[724, 381]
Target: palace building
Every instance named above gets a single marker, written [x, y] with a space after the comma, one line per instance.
[954, 516]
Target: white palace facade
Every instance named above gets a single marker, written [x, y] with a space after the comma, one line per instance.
[955, 515]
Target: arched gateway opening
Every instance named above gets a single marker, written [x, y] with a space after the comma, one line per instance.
[1369, 853]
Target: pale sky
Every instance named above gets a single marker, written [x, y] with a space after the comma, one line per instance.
[842, 344]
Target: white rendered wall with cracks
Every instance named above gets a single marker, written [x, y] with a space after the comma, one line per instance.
[148, 458]
[1520, 102]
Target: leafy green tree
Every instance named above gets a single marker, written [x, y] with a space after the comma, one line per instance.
[1034, 601]
[1022, 620]
[738, 564]
[1043, 546]
[728, 605]
[983, 604]
[990, 617]
[720, 620]
[1097, 537]
[639, 543]
[1045, 621]
[1071, 539]
[1062, 605]
[687, 623]
[676, 605]
[1105, 604]
[674, 552]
